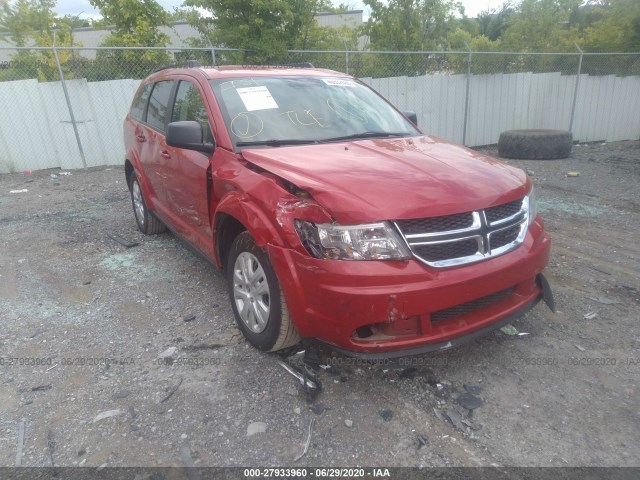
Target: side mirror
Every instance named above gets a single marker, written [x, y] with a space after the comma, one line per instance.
[412, 116]
[188, 134]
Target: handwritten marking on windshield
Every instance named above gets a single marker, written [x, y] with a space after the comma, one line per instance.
[246, 125]
[355, 114]
[293, 117]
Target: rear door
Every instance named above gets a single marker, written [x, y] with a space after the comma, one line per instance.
[134, 131]
[153, 137]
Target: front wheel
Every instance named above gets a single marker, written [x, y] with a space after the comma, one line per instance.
[257, 301]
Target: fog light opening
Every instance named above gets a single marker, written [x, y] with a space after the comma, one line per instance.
[402, 327]
[364, 332]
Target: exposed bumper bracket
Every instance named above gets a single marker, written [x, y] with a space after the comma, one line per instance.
[547, 294]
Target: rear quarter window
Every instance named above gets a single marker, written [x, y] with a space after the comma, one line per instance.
[140, 102]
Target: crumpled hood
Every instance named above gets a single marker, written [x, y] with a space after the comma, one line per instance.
[393, 179]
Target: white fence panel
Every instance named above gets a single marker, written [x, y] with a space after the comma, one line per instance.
[607, 109]
[110, 103]
[497, 97]
[84, 111]
[36, 131]
[33, 135]
[518, 100]
[442, 107]
[626, 101]
[437, 99]
[61, 149]
[64, 140]
[99, 109]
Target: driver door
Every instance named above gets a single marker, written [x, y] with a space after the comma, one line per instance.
[186, 180]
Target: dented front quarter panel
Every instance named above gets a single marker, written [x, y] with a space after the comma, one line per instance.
[259, 201]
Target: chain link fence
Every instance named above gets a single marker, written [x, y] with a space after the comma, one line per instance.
[64, 107]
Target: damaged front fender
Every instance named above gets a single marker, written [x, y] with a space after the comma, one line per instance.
[266, 206]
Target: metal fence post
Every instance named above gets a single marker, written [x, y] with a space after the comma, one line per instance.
[66, 96]
[466, 99]
[213, 52]
[575, 91]
[346, 60]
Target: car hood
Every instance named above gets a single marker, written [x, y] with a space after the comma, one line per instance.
[393, 179]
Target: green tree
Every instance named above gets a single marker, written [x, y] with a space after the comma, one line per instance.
[263, 29]
[136, 23]
[33, 23]
[24, 19]
[72, 22]
[410, 25]
[493, 23]
[542, 26]
[405, 25]
[617, 29]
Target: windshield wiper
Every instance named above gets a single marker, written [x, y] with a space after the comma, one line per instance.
[275, 143]
[356, 136]
[296, 141]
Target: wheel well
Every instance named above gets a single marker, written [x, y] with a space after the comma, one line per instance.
[227, 228]
[128, 170]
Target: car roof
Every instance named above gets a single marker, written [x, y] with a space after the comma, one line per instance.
[246, 71]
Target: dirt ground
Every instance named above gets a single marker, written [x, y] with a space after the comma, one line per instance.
[86, 322]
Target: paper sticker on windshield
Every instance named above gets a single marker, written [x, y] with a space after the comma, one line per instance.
[256, 98]
[339, 82]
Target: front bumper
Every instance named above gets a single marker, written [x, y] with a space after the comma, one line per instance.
[390, 309]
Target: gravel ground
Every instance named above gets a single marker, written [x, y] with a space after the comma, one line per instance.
[86, 323]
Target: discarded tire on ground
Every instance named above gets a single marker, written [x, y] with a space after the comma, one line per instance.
[535, 144]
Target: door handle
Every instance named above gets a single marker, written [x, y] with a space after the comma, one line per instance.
[165, 154]
[141, 138]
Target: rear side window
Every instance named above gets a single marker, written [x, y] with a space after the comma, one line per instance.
[140, 102]
[158, 104]
[189, 106]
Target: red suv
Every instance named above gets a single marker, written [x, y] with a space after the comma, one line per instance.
[332, 216]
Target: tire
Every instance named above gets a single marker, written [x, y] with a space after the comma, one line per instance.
[147, 222]
[256, 298]
[535, 144]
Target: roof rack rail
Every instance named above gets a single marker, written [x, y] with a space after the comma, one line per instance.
[299, 65]
[187, 64]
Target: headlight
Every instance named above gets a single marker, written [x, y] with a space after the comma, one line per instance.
[532, 207]
[374, 241]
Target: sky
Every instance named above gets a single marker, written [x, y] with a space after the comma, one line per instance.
[84, 9]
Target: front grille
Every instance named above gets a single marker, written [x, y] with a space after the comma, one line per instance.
[443, 251]
[506, 210]
[504, 237]
[467, 237]
[436, 224]
[469, 307]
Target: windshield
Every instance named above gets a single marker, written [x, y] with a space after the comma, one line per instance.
[275, 111]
